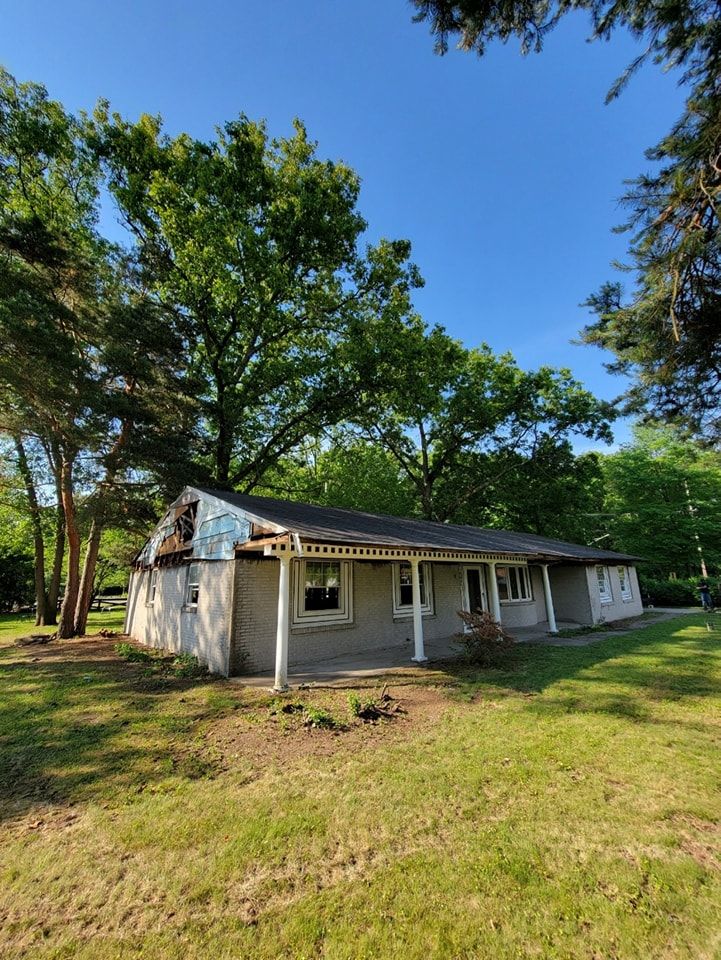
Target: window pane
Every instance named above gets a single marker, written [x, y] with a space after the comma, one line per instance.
[405, 577]
[322, 585]
[502, 578]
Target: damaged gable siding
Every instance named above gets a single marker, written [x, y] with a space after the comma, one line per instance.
[169, 623]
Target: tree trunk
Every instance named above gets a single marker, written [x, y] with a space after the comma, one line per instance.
[41, 598]
[54, 591]
[72, 582]
[85, 593]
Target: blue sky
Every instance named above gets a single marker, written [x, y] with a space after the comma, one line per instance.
[503, 171]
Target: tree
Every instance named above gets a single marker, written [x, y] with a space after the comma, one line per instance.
[663, 493]
[253, 246]
[665, 331]
[456, 421]
[91, 370]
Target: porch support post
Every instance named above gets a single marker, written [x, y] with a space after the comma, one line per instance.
[550, 612]
[282, 630]
[495, 599]
[420, 655]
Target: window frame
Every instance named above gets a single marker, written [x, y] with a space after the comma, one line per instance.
[606, 595]
[191, 584]
[405, 610]
[523, 583]
[624, 581]
[340, 615]
[152, 588]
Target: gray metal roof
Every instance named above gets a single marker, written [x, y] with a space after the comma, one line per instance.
[336, 525]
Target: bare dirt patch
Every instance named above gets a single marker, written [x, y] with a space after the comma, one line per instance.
[263, 733]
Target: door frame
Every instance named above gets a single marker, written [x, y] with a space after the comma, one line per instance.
[465, 597]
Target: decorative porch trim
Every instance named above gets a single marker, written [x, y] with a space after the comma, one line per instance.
[284, 548]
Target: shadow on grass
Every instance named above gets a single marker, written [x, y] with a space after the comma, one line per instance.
[621, 675]
[82, 728]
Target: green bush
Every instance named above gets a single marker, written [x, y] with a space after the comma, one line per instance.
[131, 653]
[675, 593]
[484, 643]
[186, 665]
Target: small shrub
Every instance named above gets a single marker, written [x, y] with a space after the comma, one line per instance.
[319, 717]
[131, 653]
[485, 643]
[186, 665]
[383, 707]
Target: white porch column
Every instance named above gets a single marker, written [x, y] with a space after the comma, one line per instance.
[550, 612]
[420, 655]
[493, 585]
[282, 631]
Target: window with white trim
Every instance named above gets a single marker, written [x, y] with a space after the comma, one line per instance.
[323, 592]
[152, 586]
[192, 586]
[403, 589]
[604, 585]
[514, 583]
[624, 578]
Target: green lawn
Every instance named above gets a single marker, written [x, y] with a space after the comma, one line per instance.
[16, 625]
[568, 807]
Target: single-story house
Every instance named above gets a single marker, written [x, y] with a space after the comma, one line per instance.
[250, 583]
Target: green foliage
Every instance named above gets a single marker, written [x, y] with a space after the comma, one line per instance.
[662, 497]
[319, 717]
[675, 593]
[484, 642]
[255, 243]
[16, 579]
[447, 407]
[186, 665]
[133, 654]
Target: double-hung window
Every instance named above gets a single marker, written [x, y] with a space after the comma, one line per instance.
[514, 584]
[152, 586]
[322, 592]
[604, 584]
[403, 589]
[625, 581]
[192, 587]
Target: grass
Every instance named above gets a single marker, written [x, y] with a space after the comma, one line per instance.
[16, 625]
[565, 807]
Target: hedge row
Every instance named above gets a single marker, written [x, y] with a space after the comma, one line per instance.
[676, 593]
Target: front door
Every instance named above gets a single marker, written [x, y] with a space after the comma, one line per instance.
[474, 589]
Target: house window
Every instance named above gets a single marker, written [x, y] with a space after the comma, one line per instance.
[604, 585]
[514, 584]
[403, 589]
[625, 581]
[322, 592]
[152, 586]
[192, 590]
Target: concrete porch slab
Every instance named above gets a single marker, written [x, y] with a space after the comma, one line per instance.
[396, 660]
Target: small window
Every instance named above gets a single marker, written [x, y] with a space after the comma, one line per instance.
[152, 586]
[403, 589]
[193, 586]
[604, 585]
[514, 584]
[625, 581]
[322, 592]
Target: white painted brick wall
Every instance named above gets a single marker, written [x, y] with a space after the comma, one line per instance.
[169, 624]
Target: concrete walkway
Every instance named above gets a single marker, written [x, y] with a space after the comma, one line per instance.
[396, 661]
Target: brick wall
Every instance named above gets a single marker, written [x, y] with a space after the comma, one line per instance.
[256, 608]
[169, 624]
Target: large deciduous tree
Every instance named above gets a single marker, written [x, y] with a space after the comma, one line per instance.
[253, 244]
[457, 420]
